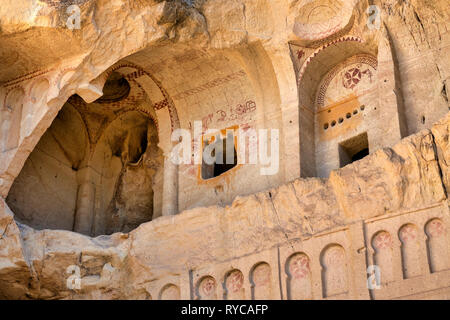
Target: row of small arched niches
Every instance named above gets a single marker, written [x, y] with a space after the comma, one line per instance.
[262, 280]
[411, 241]
[334, 272]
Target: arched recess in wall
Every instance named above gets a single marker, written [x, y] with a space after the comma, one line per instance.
[44, 194]
[129, 166]
[166, 114]
[298, 281]
[206, 86]
[335, 278]
[337, 90]
[383, 246]
[220, 89]
[206, 288]
[234, 285]
[410, 238]
[92, 155]
[437, 245]
[261, 281]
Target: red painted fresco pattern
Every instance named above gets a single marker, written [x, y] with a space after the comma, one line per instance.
[408, 233]
[299, 266]
[235, 281]
[383, 240]
[436, 228]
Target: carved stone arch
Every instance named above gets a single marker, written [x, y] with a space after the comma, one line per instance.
[335, 278]
[351, 78]
[299, 278]
[85, 145]
[140, 72]
[167, 120]
[261, 281]
[314, 124]
[410, 238]
[44, 194]
[316, 20]
[340, 111]
[85, 187]
[169, 292]
[234, 285]
[206, 288]
[383, 246]
[126, 159]
[437, 245]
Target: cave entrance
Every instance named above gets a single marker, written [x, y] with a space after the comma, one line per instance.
[97, 169]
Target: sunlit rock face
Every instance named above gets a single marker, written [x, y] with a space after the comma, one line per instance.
[353, 96]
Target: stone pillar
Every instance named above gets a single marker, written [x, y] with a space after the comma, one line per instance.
[85, 209]
[391, 124]
[170, 189]
[84, 214]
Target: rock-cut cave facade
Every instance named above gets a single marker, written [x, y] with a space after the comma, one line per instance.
[93, 91]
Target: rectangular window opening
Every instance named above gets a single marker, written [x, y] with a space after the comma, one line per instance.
[219, 151]
[353, 149]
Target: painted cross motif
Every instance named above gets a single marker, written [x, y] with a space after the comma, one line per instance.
[299, 266]
[383, 241]
[408, 233]
[436, 228]
[208, 286]
[235, 281]
[351, 78]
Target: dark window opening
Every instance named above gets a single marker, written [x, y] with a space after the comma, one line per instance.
[361, 154]
[116, 88]
[219, 153]
[353, 149]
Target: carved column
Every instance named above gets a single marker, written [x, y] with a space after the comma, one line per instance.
[84, 212]
[170, 189]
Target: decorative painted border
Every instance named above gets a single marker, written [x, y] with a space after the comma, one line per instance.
[361, 58]
[319, 50]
